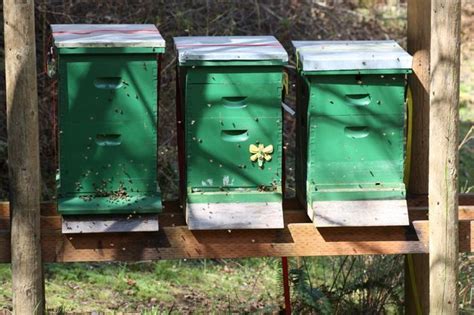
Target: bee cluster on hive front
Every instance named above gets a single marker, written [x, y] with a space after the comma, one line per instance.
[107, 77]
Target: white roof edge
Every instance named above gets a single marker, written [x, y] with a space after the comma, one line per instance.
[351, 55]
[106, 35]
[229, 48]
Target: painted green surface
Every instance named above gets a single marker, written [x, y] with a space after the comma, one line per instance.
[138, 202]
[251, 102]
[234, 196]
[244, 77]
[355, 132]
[226, 110]
[107, 138]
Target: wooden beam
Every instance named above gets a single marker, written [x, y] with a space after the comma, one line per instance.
[23, 156]
[298, 238]
[418, 45]
[444, 155]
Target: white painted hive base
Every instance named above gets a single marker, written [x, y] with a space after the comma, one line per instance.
[229, 216]
[110, 223]
[359, 213]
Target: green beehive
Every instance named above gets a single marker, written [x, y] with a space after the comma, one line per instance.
[107, 118]
[351, 131]
[230, 124]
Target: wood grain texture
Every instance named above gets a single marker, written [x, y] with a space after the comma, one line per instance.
[109, 223]
[251, 215]
[23, 156]
[418, 45]
[360, 213]
[444, 155]
[298, 238]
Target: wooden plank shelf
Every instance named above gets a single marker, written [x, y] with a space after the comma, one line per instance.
[298, 238]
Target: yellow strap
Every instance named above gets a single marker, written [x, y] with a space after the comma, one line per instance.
[409, 100]
[411, 270]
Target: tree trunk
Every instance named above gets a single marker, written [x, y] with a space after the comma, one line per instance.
[23, 156]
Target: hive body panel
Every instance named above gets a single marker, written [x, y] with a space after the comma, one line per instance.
[356, 137]
[231, 113]
[351, 133]
[107, 118]
[222, 120]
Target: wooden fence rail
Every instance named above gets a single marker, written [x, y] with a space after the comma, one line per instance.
[299, 238]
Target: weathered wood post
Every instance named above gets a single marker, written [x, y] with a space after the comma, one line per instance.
[23, 156]
[444, 155]
[418, 44]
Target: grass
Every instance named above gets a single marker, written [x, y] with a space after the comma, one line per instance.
[165, 286]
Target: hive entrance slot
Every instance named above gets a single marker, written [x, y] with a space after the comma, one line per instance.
[108, 83]
[108, 139]
[234, 135]
[356, 132]
[358, 99]
[235, 101]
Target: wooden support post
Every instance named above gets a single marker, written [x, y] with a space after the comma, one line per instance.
[444, 155]
[418, 44]
[23, 156]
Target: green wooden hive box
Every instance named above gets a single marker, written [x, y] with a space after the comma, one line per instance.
[107, 118]
[351, 131]
[230, 130]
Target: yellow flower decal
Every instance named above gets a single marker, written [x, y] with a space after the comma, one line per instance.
[260, 153]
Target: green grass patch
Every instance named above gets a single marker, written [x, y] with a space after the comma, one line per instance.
[175, 286]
